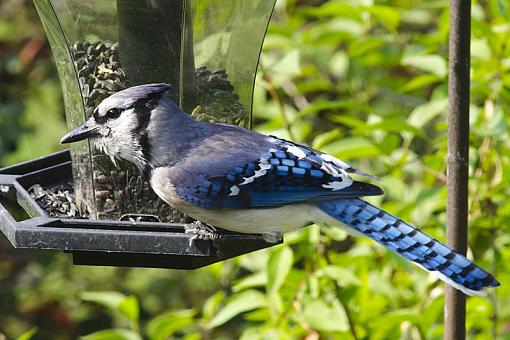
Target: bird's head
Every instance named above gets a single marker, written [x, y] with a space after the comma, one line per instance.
[118, 125]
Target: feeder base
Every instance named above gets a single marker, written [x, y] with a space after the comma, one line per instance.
[103, 242]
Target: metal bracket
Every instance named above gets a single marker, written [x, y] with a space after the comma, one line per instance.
[103, 242]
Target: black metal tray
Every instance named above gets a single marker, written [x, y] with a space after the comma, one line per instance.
[102, 242]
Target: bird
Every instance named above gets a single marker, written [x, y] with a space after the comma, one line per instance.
[243, 181]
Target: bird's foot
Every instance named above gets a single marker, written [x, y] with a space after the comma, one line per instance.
[201, 231]
[272, 237]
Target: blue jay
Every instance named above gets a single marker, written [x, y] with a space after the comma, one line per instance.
[247, 182]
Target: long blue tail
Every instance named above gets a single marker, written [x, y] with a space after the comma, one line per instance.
[411, 243]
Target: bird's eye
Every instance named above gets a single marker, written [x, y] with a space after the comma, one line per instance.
[113, 113]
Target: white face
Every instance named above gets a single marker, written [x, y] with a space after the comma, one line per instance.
[119, 123]
[116, 136]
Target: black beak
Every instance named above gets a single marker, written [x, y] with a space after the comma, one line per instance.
[80, 133]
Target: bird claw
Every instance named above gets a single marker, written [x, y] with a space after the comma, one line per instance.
[272, 237]
[201, 231]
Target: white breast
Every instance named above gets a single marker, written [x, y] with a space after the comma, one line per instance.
[256, 221]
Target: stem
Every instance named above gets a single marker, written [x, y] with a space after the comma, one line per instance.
[458, 156]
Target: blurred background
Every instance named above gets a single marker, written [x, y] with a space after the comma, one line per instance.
[364, 80]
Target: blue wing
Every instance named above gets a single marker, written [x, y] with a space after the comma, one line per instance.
[287, 173]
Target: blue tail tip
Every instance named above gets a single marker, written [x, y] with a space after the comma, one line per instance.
[494, 283]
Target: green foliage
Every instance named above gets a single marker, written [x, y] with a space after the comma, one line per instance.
[363, 80]
[28, 334]
[239, 303]
[113, 334]
[127, 306]
[31, 108]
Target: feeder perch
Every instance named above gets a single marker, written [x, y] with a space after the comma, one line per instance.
[208, 51]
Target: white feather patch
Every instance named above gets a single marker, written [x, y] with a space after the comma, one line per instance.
[296, 151]
[336, 185]
[234, 190]
[346, 166]
[264, 166]
[331, 170]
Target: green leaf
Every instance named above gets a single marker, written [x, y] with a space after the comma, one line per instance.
[353, 147]
[496, 124]
[429, 200]
[394, 187]
[338, 25]
[163, 326]
[279, 265]
[343, 276]
[212, 304]
[127, 306]
[258, 279]
[333, 8]
[419, 82]
[130, 308]
[325, 138]
[324, 316]
[348, 121]
[258, 315]
[480, 49]
[108, 299]
[389, 125]
[388, 16]
[327, 105]
[392, 322]
[28, 334]
[287, 67]
[237, 304]
[431, 313]
[251, 333]
[113, 334]
[502, 6]
[434, 64]
[333, 232]
[424, 113]
[339, 64]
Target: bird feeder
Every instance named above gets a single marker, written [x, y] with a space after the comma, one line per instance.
[207, 50]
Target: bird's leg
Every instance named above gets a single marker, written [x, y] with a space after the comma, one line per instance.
[272, 236]
[200, 231]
